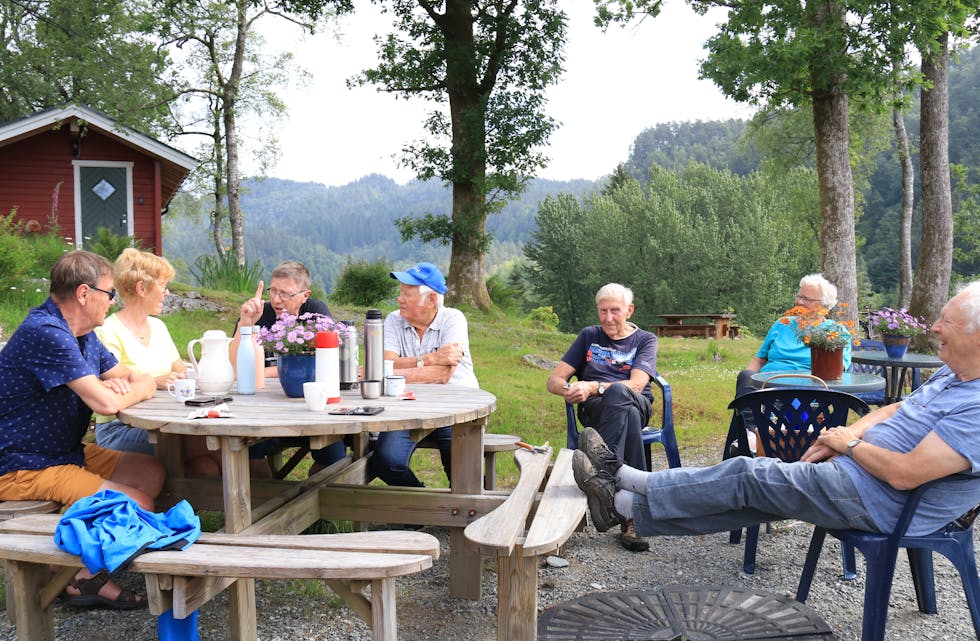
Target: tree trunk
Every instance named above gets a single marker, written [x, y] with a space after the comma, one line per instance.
[467, 110]
[837, 244]
[908, 200]
[932, 273]
[218, 215]
[229, 98]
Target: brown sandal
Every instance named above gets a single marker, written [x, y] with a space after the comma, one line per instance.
[88, 594]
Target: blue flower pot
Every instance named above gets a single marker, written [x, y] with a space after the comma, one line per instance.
[895, 345]
[294, 370]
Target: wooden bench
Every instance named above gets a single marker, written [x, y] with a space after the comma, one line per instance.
[186, 580]
[13, 509]
[492, 443]
[504, 533]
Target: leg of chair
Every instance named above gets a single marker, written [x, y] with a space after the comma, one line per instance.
[751, 546]
[810, 565]
[735, 537]
[33, 622]
[920, 564]
[489, 470]
[384, 620]
[848, 562]
[880, 563]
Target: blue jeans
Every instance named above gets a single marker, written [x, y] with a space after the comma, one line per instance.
[393, 451]
[116, 435]
[619, 416]
[745, 491]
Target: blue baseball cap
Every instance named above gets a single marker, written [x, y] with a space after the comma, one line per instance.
[423, 274]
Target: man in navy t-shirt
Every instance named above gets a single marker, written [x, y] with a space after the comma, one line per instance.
[613, 362]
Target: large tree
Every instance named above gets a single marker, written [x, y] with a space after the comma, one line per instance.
[489, 61]
[101, 53]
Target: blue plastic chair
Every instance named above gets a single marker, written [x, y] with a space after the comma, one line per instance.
[878, 398]
[788, 420]
[663, 435]
[954, 541]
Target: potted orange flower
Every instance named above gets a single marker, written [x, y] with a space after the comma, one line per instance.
[826, 332]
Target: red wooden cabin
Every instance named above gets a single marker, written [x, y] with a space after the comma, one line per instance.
[82, 169]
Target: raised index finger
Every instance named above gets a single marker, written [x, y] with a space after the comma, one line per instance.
[258, 290]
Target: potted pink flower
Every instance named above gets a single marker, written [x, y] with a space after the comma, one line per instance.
[896, 328]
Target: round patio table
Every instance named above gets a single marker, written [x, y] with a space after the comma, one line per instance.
[675, 612]
[849, 382]
[896, 369]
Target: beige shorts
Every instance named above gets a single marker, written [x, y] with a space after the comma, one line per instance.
[62, 483]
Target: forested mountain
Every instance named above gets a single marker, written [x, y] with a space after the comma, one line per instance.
[324, 226]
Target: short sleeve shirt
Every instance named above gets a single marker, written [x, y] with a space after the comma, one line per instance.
[42, 421]
[597, 357]
[784, 351]
[449, 326]
[950, 408]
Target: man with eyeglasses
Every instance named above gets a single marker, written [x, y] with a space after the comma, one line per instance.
[54, 372]
[289, 291]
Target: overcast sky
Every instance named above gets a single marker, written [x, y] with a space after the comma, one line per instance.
[615, 85]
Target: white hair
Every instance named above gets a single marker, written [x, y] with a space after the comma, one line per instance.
[424, 290]
[828, 291]
[971, 305]
[614, 290]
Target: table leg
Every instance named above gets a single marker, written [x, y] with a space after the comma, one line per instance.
[236, 484]
[467, 478]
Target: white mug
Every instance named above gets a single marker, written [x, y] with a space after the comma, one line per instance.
[315, 395]
[183, 389]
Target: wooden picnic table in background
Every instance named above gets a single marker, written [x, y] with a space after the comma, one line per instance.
[710, 325]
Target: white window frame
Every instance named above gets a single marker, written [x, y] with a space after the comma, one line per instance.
[77, 170]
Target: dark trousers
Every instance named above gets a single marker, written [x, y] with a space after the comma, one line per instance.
[619, 416]
[393, 452]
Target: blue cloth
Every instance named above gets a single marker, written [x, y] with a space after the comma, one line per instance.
[42, 421]
[950, 408]
[108, 529]
[171, 629]
[783, 350]
[597, 357]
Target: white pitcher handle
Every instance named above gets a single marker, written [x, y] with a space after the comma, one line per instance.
[190, 355]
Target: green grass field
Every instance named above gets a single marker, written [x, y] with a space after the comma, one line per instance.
[700, 372]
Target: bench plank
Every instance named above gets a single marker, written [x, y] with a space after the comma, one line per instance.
[498, 532]
[559, 512]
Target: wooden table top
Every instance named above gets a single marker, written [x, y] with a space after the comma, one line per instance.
[271, 413]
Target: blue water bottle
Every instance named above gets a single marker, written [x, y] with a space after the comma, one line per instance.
[245, 364]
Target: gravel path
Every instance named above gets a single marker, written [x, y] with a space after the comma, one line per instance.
[596, 564]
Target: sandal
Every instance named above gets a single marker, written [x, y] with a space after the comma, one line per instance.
[88, 594]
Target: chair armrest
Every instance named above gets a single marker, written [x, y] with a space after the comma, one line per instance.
[915, 497]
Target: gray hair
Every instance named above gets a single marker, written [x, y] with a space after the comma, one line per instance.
[614, 290]
[76, 268]
[425, 289]
[971, 305]
[828, 291]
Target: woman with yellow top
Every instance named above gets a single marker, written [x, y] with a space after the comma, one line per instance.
[138, 339]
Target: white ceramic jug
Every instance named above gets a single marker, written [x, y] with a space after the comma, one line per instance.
[214, 372]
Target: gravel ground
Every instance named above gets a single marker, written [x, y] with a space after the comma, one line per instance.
[596, 563]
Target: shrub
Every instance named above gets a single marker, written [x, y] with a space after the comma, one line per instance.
[16, 256]
[224, 272]
[544, 317]
[365, 283]
[503, 294]
[110, 245]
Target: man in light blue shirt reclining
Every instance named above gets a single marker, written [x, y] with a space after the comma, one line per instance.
[856, 476]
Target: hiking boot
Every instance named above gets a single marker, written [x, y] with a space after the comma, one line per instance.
[600, 492]
[629, 540]
[599, 454]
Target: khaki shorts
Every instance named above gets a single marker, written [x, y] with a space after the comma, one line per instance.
[62, 483]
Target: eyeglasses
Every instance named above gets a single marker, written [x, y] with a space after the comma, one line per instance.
[806, 299]
[278, 293]
[110, 293]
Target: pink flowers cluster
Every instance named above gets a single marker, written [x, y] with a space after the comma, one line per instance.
[899, 322]
[296, 334]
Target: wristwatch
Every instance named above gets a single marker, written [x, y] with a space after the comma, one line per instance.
[602, 389]
[420, 362]
[851, 444]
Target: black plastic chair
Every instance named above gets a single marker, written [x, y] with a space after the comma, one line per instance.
[663, 434]
[787, 420]
[954, 541]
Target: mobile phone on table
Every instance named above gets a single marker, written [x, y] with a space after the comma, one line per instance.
[356, 411]
[204, 401]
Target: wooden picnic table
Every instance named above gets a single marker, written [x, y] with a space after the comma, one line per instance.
[716, 325]
[337, 492]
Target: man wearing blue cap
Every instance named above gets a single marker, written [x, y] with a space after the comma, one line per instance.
[429, 343]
